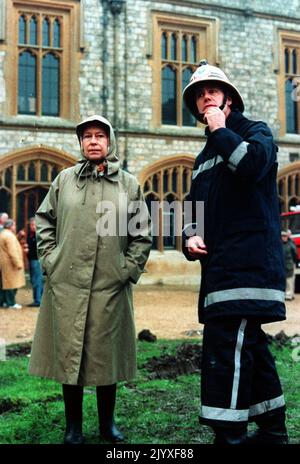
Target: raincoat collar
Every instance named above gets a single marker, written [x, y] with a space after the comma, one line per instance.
[85, 168]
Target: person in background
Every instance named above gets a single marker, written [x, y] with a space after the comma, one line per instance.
[3, 219]
[36, 275]
[290, 259]
[242, 275]
[22, 237]
[85, 334]
[12, 264]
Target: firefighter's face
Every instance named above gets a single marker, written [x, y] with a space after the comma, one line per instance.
[210, 95]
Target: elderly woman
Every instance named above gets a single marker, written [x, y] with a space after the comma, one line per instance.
[85, 333]
[12, 264]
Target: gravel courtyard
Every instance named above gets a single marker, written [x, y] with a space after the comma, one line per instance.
[167, 312]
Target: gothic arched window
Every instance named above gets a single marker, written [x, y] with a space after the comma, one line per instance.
[25, 179]
[165, 188]
[56, 34]
[289, 82]
[182, 43]
[33, 31]
[46, 32]
[187, 118]
[40, 64]
[22, 30]
[50, 85]
[27, 83]
[169, 94]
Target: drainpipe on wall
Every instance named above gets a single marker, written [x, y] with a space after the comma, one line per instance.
[104, 25]
[116, 7]
[126, 96]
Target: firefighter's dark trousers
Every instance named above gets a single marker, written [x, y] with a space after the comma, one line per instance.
[239, 381]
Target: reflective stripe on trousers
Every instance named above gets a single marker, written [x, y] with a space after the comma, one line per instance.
[238, 379]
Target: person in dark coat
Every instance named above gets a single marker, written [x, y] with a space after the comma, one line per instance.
[36, 275]
[242, 279]
[290, 260]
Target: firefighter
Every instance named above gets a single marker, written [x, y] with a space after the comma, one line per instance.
[240, 251]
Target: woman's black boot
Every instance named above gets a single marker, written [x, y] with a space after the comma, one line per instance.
[73, 396]
[106, 400]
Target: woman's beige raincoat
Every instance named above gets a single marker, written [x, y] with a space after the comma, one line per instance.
[11, 261]
[85, 331]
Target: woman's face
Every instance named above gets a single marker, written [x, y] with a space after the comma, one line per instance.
[95, 142]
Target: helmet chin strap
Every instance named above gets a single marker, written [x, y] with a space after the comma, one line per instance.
[220, 108]
[224, 101]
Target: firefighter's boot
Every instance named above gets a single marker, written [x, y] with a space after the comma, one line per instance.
[230, 435]
[271, 430]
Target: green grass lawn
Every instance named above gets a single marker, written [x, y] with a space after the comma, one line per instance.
[148, 411]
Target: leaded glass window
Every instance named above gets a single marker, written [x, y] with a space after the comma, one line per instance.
[179, 58]
[46, 32]
[27, 83]
[50, 85]
[291, 86]
[169, 85]
[39, 64]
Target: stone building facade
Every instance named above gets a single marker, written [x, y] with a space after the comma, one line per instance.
[129, 60]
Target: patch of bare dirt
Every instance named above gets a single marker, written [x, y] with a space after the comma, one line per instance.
[188, 356]
[187, 360]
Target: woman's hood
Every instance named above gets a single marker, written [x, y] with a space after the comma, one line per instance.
[87, 169]
[111, 159]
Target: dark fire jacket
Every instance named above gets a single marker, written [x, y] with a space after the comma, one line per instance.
[235, 176]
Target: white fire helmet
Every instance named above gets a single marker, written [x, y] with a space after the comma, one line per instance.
[207, 73]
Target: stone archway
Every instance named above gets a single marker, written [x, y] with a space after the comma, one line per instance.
[288, 180]
[25, 177]
[167, 180]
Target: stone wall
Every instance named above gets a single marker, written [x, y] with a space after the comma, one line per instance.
[248, 52]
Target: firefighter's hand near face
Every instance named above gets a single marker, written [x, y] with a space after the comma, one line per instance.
[214, 118]
[196, 247]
